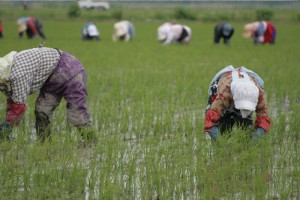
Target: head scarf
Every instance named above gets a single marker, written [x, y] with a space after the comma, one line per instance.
[5, 66]
[249, 29]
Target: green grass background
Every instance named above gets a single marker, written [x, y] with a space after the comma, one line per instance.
[147, 104]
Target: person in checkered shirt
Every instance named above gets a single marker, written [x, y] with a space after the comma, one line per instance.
[53, 73]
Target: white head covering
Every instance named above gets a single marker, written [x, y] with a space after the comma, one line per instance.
[249, 29]
[5, 65]
[163, 31]
[121, 28]
[119, 31]
[92, 29]
[245, 95]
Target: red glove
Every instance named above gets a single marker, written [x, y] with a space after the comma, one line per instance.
[14, 112]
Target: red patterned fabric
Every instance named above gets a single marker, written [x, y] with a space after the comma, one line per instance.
[211, 119]
[268, 35]
[14, 112]
[263, 122]
[224, 99]
[31, 26]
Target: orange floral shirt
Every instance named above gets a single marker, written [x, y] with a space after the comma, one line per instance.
[224, 100]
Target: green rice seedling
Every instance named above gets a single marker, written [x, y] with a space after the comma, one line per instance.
[147, 104]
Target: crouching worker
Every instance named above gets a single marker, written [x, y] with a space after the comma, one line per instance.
[168, 33]
[225, 31]
[90, 32]
[262, 32]
[32, 27]
[233, 95]
[123, 31]
[55, 74]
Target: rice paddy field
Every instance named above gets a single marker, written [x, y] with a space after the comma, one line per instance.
[147, 103]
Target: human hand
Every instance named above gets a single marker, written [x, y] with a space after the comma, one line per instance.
[214, 132]
[5, 129]
[258, 133]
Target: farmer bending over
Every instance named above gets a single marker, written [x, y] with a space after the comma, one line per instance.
[32, 27]
[261, 32]
[90, 32]
[52, 72]
[168, 33]
[233, 95]
[223, 30]
[123, 31]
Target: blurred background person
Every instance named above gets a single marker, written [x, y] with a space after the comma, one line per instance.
[1, 29]
[90, 32]
[124, 31]
[173, 33]
[223, 30]
[32, 27]
[261, 32]
[233, 95]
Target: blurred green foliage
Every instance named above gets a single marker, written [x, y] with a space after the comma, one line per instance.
[74, 11]
[147, 103]
[185, 14]
[117, 14]
[264, 14]
[67, 12]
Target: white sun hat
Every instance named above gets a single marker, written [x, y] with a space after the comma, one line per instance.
[245, 95]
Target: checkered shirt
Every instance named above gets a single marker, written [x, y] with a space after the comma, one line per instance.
[29, 71]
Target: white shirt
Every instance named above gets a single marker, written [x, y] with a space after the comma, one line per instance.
[92, 30]
[123, 28]
[168, 33]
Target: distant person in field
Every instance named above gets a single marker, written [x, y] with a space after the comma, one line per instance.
[55, 74]
[1, 29]
[223, 31]
[90, 32]
[174, 33]
[32, 27]
[261, 32]
[123, 31]
[233, 95]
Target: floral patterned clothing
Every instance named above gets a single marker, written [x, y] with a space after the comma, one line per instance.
[221, 101]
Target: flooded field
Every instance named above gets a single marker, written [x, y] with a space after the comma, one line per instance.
[147, 103]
